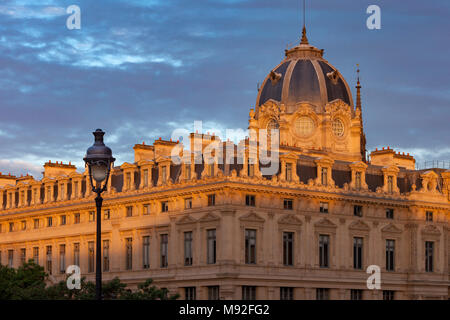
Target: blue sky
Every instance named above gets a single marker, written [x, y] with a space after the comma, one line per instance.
[140, 69]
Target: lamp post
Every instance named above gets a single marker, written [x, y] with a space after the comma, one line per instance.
[99, 159]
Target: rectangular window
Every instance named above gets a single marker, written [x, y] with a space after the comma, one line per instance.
[324, 176]
[211, 246]
[188, 203]
[211, 200]
[357, 253]
[36, 255]
[11, 226]
[390, 255]
[49, 260]
[189, 293]
[250, 200]
[358, 180]
[49, 221]
[429, 252]
[324, 207]
[164, 206]
[62, 258]
[322, 294]
[429, 216]
[10, 258]
[356, 294]
[286, 293]
[164, 249]
[23, 256]
[250, 246]
[146, 252]
[146, 210]
[213, 293]
[107, 214]
[324, 241]
[357, 211]
[24, 225]
[105, 255]
[76, 254]
[288, 204]
[129, 253]
[288, 248]
[36, 223]
[145, 178]
[76, 218]
[188, 248]
[91, 253]
[62, 220]
[389, 213]
[187, 171]
[248, 293]
[390, 184]
[288, 171]
[388, 295]
[91, 216]
[129, 211]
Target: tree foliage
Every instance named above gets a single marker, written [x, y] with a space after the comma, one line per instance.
[29, 282]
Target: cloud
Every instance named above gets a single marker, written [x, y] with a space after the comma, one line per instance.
[32, 12]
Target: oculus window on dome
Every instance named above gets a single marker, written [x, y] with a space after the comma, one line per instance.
[304, 126]
[338, 127]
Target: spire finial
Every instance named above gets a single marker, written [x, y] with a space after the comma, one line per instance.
[304, 38]
[358, 90]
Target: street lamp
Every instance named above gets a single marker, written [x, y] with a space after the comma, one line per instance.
[99, 159]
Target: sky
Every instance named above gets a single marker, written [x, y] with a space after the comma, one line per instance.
[140, 69]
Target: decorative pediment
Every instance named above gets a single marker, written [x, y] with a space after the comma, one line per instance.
[430, 174]
[391, 228]
[290, 219]
[431, 230]
[359, 225]
[143, 163]
[187, 219]
[209, 217]
[324, 161]
[252, 217]
[337, 105]
[358, 165]
[325, 223]
[127, 165]
[270, 107]
[393, 169]
[289, 155]
[75, 175]
[163, 159]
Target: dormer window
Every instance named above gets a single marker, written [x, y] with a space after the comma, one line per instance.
[211, 170]
[390, 184]
[187, 171]
[324, 176]
[251, 169]
[164, 174]
[288, 171]
[358, 180]
[145, 177]
[128, 180]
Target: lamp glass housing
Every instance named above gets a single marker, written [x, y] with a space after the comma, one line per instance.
[99, 171]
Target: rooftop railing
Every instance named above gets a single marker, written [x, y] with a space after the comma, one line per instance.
[440, 164]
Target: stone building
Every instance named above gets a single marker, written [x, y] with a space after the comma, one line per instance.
[229, 231]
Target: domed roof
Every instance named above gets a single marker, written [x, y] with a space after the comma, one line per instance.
[304, 76]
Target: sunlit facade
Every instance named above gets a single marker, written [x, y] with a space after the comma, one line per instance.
[229, 231]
